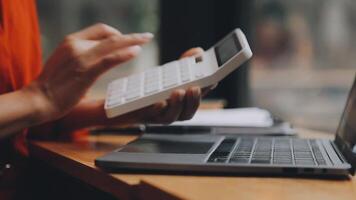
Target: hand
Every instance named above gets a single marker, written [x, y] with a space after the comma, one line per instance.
[181, 105]
[76, 64]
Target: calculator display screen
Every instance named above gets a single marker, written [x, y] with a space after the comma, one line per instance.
[227, 48]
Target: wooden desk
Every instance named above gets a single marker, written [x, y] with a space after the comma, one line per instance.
[77, 159]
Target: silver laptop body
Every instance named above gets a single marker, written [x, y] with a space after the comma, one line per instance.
[206, 153]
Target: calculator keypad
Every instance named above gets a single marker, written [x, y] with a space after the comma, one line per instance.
[151, 81]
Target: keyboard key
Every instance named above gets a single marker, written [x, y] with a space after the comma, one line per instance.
[283, 162]
[301, 162]
[243, 151]
[218, 160]
[260, 161]
[239, 160]
[303, 154]
[262, 152]
[222, 152]
[317, 153]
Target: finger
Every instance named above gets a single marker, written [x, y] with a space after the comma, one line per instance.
[119, 41]
[147, 114]
[150, 113]
[96, 32]
[113, 59]
[191, 103]
[174, 108]
[193, 52]
[154, 110]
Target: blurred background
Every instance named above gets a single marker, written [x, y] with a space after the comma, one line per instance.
[304, 51]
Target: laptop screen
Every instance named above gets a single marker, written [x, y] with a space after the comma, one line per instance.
[347, 128]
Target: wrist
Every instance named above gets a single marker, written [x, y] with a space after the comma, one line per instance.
[40, 102]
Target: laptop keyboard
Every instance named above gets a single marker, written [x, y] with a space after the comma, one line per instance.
[282, 151]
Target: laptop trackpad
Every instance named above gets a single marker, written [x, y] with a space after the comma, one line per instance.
[149, 158]
[171, 149]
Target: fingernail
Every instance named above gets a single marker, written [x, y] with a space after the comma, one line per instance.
[135, 48]
[199, 49]
[196, 92]
[181, 95]
[147, 35]
[160, 105]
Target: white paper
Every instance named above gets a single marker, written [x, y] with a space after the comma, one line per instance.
[242, 117]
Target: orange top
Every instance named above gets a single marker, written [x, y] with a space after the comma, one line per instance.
[20, 49]
[20, 56]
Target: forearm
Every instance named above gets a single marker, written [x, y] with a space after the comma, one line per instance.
[91, 114]
[81, 116]
[84, 115]
[19, 110]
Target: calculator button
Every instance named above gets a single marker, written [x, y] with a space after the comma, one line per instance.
[184, 70]
[169, 83]
[169, 74]
[185, 77]
[117, 83]
[116, 92]
[149, 89]
[116, 97]
[199, 74]
[114, 102]
[133, 89]
[131, 95]
[190, 61]
[151, 81]
[184, 73]
[134, 81]
[151, 73]
[117, 88]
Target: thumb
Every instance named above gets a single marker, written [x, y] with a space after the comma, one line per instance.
[193, 52]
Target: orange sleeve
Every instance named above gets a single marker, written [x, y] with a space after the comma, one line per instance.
[20, 56]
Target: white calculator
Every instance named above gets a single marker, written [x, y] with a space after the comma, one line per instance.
[156, 84]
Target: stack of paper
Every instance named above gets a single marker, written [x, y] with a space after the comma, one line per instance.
[242, 117]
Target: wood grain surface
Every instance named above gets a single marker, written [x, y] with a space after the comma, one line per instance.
[77, 159]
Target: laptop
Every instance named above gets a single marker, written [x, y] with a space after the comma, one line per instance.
[206, 153]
